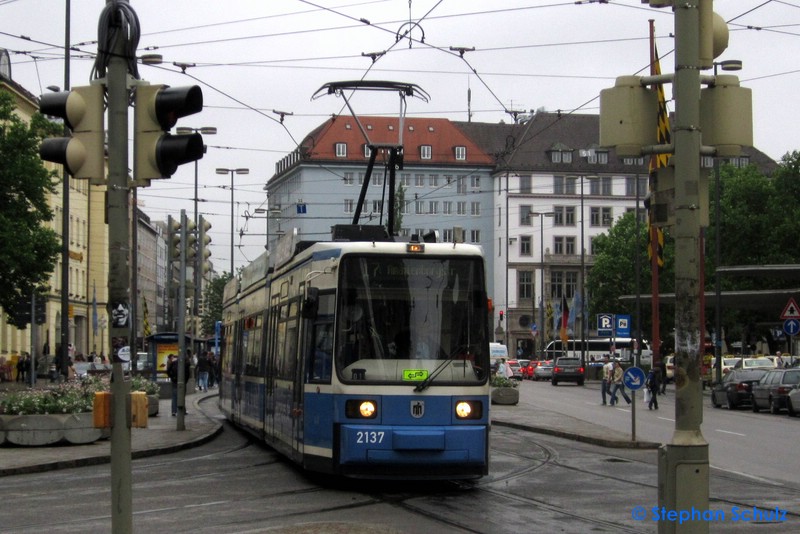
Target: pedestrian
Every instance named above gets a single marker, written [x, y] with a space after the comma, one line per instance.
[662, 366]
[21, 368]
[605, 372]
[618, 386]
[172, 373]
[203, 369]
[653, 385]
[501, 368]
[778, 360]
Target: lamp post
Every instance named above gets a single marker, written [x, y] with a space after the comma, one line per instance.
[727, 65]
[221, 170]
[205, 130]
[541, 215]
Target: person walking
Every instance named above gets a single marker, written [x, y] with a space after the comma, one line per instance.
[606, 372]
[203, 370]
[653, 384]
[618, 385]
[662, 366]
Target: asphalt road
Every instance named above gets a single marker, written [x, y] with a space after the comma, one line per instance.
[756, 445]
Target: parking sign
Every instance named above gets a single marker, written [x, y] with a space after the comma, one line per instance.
[605, 324]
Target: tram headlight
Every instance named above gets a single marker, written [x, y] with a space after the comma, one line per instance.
[361, 409]
[469, 409]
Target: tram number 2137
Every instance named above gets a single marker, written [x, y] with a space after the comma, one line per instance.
[369, 437]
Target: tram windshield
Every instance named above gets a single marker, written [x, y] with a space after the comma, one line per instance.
[411, 319]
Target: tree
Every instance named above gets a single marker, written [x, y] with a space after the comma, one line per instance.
[399, 202]
[30, 248]
[213, 304]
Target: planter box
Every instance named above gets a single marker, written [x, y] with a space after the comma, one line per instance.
[38, 430]
[505, 396]
[152, 405]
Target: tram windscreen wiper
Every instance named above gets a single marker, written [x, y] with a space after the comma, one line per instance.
[422, 386]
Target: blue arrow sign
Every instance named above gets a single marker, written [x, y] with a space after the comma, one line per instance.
[791, 327]
[633, 378]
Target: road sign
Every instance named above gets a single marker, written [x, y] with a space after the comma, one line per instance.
[791, 327]
[633, 378]
[623, 325]
[791, 311]
[605, 324]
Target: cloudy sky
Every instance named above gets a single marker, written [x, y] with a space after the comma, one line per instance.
[254, 57]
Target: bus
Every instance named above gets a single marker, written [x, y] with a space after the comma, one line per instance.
[621, 348]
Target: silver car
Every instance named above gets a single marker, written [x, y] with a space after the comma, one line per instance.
[543, 371]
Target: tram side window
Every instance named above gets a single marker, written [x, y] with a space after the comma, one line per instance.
[287, 342]
[321, 356]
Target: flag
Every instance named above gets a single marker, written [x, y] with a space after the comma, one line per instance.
[564, 320]
[548, 317]
[534, 330]
[664, 136]
[556, 318]
[573, 312]
[95, 320]
[146, 328]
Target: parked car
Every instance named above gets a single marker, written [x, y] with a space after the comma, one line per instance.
[773, 388]
[793, 402]
[543, 371]
[568, 370]
[515, 369]
[754, 363]
[735, 388]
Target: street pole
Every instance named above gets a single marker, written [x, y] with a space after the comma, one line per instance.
[683, 463]
[119, 277]
[65, 222]
[181, 424]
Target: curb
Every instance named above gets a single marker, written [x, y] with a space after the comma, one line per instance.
[574, 436]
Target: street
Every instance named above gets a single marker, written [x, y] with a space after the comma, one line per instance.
[537, 483]
[752, 444]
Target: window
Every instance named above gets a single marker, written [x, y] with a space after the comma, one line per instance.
[461, 153]
[461, 186]
[419, 180]
[475, 209]
[525, 215]
[433, 207]
[433, 180]
[447, 207]
[377, 206]
[361, 178]
[475, 182]
[462, 208]
[525, 284]
[475, 236]
[566, 157]
[563, 283]
[600, 217]
[377, 179]
[405, 179]
[349, 204]
[367, 151]
[564, 216]
[525, 184]
[348, 178]
[630, 185]
[419, 207]
[447, 235]
[525, 243]
[564, 185]
[633, 161]
[448, 180]
[341, 150]
[405, 207]
[555, 156]
[425, 152]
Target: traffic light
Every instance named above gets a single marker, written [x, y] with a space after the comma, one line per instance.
[83, 154]
[203, 253]
[501, 316]
[157, 153]
[173, 240]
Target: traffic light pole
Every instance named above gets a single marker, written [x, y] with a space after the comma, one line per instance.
[118, 284]
[683, 463]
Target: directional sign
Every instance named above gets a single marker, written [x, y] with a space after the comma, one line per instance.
[791, 311]
[633, 378]
[791, 327]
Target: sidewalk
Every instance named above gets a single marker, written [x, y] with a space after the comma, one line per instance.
[162, 437]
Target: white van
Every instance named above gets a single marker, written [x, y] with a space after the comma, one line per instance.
[497, 351]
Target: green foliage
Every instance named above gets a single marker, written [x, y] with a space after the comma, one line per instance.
[213, 304]
[30, 248]
[503, 382]
[147, 385]
[69, 397]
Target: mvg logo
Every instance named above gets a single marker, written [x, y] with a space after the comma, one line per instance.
[417, 409]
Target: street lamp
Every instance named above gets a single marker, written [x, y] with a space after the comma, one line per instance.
[221, 170]
[541, 215]
[205, 130]
[727, 65]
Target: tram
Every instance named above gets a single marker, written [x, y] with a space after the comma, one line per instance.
[362, 356]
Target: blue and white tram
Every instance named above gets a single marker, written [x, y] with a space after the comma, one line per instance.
[364, 359]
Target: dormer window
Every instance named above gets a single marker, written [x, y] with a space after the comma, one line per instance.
[425, 152]
[461, 153]
[341, 150]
